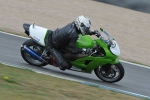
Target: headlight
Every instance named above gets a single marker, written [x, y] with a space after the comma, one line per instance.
[113, 45]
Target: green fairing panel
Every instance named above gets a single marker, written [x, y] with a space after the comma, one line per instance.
[106, 49]
[84, 42]
[93, 62]
[90, 62]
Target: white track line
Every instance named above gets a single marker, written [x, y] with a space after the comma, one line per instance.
[148, 67]
[14, 35]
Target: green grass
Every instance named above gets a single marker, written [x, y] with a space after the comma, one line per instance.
[22, 84]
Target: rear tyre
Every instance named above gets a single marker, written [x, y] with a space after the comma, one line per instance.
[37, 48]
[110, 73]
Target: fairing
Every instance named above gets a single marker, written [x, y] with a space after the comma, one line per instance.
[38, 34]
[115, 50]
[89, 63]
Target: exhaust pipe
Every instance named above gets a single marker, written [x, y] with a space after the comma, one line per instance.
[33, 54]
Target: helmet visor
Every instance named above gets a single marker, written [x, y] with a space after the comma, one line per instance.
[85, 29]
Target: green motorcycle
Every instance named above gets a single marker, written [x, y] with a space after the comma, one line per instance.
[102, 56]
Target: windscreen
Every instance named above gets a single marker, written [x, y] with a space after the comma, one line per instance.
[106, 37]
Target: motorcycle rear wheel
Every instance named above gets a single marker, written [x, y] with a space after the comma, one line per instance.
[32, 45]
[110, 73]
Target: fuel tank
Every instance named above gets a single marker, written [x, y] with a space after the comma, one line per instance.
[84, 42]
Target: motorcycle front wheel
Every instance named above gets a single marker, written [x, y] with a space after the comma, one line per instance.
[110, 73]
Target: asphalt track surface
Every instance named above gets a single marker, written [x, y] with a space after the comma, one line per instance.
[136, 79]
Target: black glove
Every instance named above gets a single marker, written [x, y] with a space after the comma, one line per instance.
[97, 33]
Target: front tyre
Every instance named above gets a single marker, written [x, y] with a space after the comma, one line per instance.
[29, 59]
[110, 73]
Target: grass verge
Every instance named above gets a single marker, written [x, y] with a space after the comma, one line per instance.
[20, 84]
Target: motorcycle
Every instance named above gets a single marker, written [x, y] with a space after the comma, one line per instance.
[102, 58]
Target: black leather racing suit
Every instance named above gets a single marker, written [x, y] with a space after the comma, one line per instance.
[60, 38]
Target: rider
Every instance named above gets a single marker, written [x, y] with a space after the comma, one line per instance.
[67, 36]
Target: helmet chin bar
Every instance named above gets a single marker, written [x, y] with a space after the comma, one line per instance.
[84, 29]
[82, 32]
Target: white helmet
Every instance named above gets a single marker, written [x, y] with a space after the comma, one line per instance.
[83, 24]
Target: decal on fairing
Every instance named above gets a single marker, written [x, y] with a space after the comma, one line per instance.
[36, 39]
